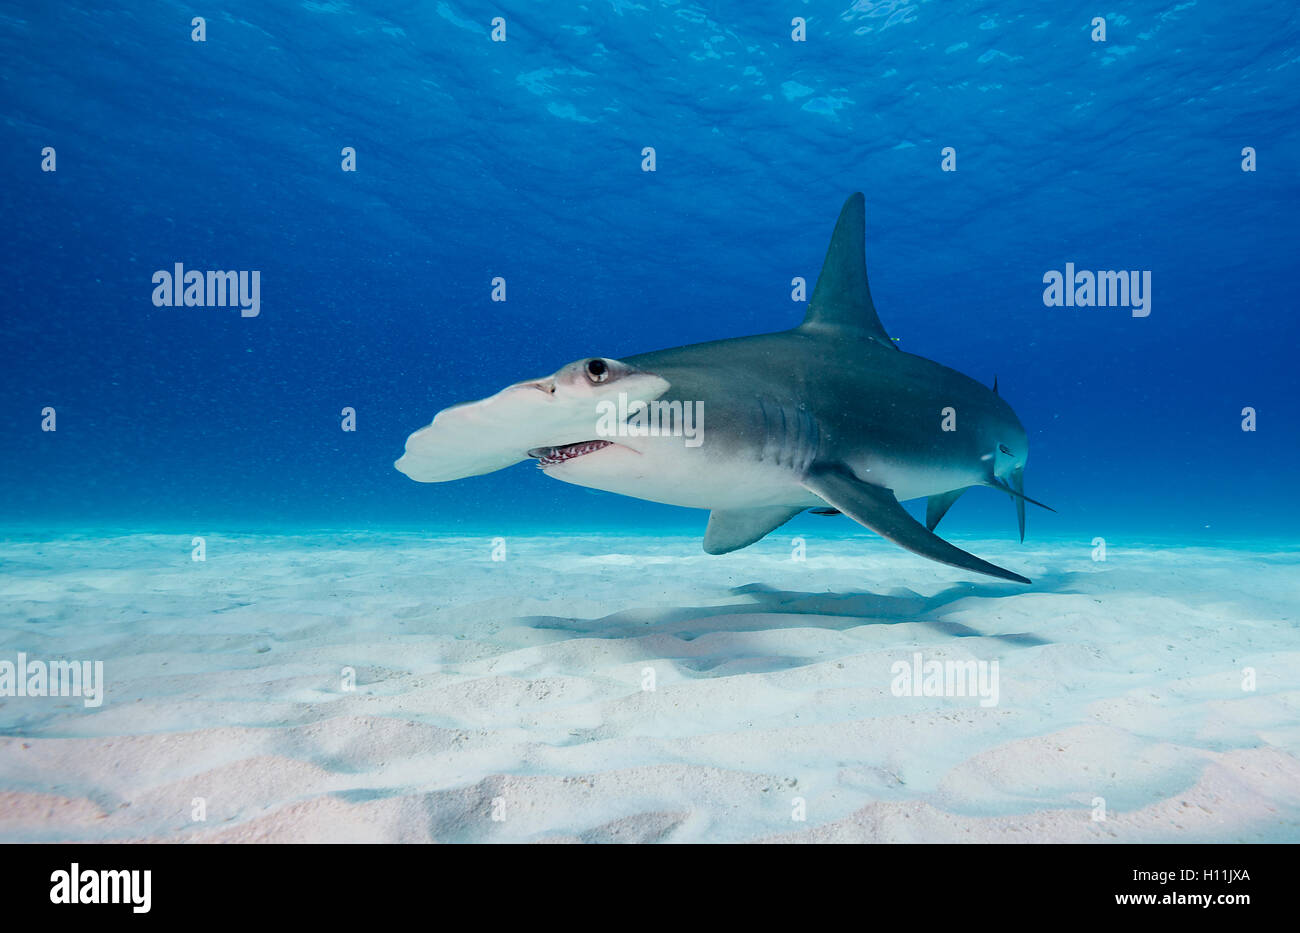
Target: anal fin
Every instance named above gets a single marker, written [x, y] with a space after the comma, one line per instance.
[876, 508]
[733, 529]
[936, 507]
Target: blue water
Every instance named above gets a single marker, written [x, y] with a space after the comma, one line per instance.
[522, 159]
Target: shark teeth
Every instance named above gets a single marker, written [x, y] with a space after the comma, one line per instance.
[549, 456]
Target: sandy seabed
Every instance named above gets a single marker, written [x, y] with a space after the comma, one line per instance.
[507, 700]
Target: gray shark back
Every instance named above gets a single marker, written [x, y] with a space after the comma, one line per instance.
[830, 415]
[859, 423]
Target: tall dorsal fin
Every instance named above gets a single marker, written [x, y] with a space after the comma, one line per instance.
[841, 301]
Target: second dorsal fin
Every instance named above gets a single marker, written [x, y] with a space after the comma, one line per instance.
[841, 300]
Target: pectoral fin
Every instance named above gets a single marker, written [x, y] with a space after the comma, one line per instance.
[733, 529]
[878, 509]
[937, 506]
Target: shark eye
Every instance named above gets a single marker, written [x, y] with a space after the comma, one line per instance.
[1005, 449]
[597, 371]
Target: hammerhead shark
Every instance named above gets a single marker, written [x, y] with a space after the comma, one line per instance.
[831, 416]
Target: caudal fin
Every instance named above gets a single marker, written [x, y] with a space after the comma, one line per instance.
[1016, 490]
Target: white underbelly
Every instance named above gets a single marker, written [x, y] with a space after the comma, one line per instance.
[693, 479]
[913, 481]
[701, 479]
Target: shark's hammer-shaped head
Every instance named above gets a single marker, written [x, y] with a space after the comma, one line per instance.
[557, 420]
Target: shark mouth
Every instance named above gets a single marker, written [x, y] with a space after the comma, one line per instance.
[550, 456]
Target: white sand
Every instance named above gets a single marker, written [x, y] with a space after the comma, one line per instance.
[521, 682]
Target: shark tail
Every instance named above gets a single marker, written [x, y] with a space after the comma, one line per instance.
[1015, 488]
